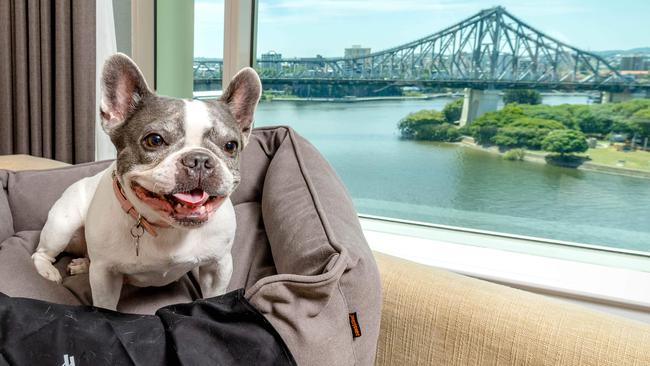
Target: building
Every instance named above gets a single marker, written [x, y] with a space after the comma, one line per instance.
[353, 52]
[271, 61]
[356, 51]
[636, 62]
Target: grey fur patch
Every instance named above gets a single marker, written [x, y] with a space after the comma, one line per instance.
[161, 115]
[241, 97]
[122, 89]
[146, 113]
[224, 128]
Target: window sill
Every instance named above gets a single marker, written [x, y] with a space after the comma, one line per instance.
[618, 281]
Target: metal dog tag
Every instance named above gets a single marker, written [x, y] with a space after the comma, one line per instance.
[136, 232]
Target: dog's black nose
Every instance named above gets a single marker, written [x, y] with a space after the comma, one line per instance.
[198, 161]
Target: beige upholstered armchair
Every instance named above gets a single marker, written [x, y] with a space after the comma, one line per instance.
[434, 317]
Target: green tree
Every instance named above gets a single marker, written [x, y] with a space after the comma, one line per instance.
[592, 121]
[525, 132]
[442, 132]
[484, 135]
[507, 137]
[510, 137]
[540, 123]
[503, 117]
[486, 126]
[565, 142]
[515, 154]
[453, 110]
[522, 96]
[630, 107]
[560, 113]
[427, 125]
[625, 126]
[409, 125]
[642, 119]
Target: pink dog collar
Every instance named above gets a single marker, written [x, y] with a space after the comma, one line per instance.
[131, 211]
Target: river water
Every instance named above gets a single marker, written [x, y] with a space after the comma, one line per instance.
[454, 185]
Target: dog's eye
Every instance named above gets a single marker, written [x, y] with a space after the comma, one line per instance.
[230, 146]
[153, 141]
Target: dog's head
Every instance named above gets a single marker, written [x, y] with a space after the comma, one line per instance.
[177, 160]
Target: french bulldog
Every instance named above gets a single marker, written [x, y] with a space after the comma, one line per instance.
[162, 209]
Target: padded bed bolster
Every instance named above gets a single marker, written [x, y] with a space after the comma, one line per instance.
[33, 192]
[325, 268]
[6, 218]
[299, 251]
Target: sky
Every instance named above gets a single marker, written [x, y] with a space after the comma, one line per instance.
[305, 28]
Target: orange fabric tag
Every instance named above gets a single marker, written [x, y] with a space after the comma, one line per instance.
[354, 324]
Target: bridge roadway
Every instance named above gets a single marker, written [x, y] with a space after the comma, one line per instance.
[449, 83]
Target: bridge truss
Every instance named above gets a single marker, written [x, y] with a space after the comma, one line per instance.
[492, 49]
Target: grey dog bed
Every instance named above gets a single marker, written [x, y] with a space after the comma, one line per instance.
[299, 251]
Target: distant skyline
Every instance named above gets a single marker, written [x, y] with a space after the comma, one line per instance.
[305, 28]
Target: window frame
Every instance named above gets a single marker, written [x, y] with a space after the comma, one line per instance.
[143, 38]
[605, 283]
[595, 282]
[238, 37]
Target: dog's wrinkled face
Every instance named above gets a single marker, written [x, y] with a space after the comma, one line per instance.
[177, 160]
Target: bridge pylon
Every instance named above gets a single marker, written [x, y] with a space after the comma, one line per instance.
[477, 102]
[615, 97]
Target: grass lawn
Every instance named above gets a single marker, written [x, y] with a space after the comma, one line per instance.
[609, 156]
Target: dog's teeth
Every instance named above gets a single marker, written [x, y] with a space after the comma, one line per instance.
[202, 209]
[178, 205]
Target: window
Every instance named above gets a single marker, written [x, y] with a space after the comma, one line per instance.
[122, 22]
[189, 48]
[208, 47]
[345, 73]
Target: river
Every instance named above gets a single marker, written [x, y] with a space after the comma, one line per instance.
[454, 185]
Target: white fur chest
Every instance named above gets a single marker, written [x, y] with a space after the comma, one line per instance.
[161, 259]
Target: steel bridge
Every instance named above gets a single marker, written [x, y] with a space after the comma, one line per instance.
[490, 50]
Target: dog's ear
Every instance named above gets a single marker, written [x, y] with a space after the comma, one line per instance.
[122, 89]
[242, 96]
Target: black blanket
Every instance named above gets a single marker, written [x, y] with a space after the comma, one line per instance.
[224, 330]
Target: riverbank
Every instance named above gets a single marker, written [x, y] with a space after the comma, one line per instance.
[540, 158]
[352, 99]
[365, 99]
[450, 184]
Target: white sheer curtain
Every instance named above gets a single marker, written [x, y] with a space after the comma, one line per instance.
[106, 46]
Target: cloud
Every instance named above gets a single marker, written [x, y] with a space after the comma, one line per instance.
[305, 11]
[523, 9]
[308, 11]
[348, 7]
[554, 33]
[364, 5]
[208, 28]
[208, 11]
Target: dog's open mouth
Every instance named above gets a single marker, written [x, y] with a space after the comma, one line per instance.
[192, 207]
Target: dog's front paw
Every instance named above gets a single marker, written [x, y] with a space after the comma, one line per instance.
[78, 266]
[45, 268]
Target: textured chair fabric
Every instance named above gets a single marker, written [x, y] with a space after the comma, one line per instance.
[434, 317]
[299, 250]
[28, 162]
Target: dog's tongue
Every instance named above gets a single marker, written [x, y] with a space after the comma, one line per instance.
[195, 197]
